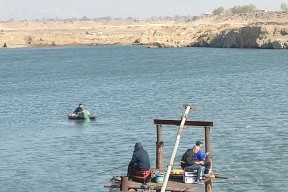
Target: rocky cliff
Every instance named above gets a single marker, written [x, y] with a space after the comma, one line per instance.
[246, 37]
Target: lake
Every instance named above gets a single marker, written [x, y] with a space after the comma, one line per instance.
[243, 91]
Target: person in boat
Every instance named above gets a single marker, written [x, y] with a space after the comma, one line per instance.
[194, 159]
[79, 109]
[140, 159]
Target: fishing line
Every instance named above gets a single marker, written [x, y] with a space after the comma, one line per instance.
[101, 172]
[227, 137]
[247, 183]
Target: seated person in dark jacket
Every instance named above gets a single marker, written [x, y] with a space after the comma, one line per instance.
[78, 109]
[140, 159]
[190, 160]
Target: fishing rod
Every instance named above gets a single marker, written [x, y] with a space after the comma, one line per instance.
[101, 172]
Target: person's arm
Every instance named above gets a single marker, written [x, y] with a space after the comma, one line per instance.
[201, 155]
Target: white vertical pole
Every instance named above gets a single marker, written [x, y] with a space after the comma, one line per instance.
[187, 108]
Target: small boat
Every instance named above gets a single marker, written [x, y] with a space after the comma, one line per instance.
[80, 117]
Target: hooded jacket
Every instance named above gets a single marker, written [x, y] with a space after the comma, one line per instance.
[140, 158]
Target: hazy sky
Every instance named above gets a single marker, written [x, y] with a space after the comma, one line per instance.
[33, 9]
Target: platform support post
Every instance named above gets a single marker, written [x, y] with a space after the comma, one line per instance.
[208, 184]
[159, 149]
[124, 183]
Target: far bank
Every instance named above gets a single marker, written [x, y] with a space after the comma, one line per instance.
[257, 30]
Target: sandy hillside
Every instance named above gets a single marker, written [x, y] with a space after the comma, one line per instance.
[257, 30]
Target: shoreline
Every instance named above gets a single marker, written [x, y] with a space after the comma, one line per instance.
[267, 30]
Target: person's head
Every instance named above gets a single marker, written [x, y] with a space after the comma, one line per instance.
[81, 105]
[138, 145]
[199, 144]
[196, 149]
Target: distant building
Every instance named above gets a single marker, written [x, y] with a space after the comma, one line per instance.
[260, 11]
[207, 14]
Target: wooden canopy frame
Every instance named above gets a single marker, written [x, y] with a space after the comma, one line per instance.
[159, 144]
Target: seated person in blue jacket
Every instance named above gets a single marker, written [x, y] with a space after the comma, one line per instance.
[202, 157]
[79, 109]
[140, 159]
[194, 159]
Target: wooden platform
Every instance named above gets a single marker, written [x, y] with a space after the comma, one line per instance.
[174, 185]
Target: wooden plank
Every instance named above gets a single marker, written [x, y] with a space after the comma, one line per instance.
[187, 123]
[220, 176]
[169, 188]
[172, 186]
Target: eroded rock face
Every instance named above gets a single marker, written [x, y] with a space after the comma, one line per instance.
[165, 45]
[245, 37]
[275, 45]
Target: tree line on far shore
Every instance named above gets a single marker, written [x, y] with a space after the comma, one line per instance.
[218, 11]
[242, 9]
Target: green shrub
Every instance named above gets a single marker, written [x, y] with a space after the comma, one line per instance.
[218, 11]
[243, 9]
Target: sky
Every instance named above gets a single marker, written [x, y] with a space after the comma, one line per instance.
[38, 9]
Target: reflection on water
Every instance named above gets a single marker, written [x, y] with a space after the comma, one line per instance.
[80, 121]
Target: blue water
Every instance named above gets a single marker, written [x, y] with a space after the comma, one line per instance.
[243, 91]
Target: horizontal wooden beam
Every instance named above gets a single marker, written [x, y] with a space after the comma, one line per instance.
[187, 123]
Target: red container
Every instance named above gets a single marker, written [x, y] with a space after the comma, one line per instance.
[142, 176]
